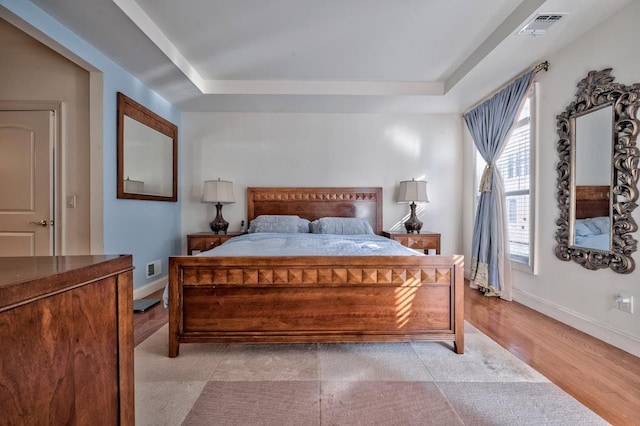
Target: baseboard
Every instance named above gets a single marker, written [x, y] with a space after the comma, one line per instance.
[587, 325]
[152, 287]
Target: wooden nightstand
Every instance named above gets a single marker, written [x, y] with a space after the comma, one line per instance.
[423, 241]
[203, 241]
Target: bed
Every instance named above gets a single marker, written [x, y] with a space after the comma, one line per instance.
[592, 201]
[302, 299]
[592, 227]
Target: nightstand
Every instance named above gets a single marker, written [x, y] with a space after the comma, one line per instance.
[423, 241]
[203, 241]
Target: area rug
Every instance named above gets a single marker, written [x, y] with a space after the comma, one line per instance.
[346, 384]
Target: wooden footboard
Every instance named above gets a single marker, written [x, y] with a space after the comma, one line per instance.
[316, 299]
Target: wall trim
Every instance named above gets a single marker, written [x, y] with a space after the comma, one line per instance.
[96, 160]
[585, 324]
[152, 287]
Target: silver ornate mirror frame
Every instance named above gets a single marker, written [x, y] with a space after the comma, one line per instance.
[596, 91]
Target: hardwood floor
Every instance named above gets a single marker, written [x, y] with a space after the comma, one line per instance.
[148, 322]
[602, 377]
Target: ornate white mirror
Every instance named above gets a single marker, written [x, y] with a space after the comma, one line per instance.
[598, 174]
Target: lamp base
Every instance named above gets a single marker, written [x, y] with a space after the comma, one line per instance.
[413, 224]
[219, 224]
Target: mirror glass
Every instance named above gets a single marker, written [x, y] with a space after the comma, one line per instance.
[146, 149]
[597, 186]
[147, 153]
[592, 151]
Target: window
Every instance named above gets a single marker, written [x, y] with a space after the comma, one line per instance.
[515, 165]
[513, 210]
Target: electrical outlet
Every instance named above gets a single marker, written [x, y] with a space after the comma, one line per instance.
[154, 268]
[624, 302]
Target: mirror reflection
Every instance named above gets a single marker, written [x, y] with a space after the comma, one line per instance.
[147, 153]
[147, 158]
[592, 154]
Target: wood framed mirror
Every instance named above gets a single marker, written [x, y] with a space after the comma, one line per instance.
[598, 174]
[147, 153]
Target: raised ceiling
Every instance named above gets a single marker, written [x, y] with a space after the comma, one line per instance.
[385, 56]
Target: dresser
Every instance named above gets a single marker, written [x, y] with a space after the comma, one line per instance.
[203, 241]
[66, 327]
[423, 241]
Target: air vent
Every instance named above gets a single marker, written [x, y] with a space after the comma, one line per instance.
[540, 24]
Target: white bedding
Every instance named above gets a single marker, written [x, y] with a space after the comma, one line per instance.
[598, 242]
[593, 232]
[303, 244]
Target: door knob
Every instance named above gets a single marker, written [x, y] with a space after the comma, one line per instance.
[41, 223]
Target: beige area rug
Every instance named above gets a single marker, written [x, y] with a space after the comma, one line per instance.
[346, 384]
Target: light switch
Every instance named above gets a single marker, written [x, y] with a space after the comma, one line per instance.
[71, 201]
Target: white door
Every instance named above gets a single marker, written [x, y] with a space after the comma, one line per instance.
[26, 183]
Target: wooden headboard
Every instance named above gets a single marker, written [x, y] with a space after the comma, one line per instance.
[592, 201]
[314, 203]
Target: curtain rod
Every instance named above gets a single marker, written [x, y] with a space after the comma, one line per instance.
[542, 66]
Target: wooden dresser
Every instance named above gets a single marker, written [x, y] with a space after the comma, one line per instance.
[66, 331]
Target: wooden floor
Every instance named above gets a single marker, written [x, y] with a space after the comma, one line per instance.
[602, 377]
[148, 322]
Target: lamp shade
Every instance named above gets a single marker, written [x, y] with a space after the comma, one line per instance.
[218, 191]
[413, 191]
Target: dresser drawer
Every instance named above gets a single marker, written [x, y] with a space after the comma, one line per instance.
[424, 241]
[204, 241]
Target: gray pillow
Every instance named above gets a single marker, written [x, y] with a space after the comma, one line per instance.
[582, 230]
[284, 224]
[341, 226]
[601, 224]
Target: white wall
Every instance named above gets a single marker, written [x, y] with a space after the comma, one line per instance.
[326, 150]
[565, 290]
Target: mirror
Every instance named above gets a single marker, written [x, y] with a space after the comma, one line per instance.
[147, 153]
[590, 208]
[598, 174]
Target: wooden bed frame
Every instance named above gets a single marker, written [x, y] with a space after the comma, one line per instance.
[592, 201]
[316, 298]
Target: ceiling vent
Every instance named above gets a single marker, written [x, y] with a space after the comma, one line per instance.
[540, 24]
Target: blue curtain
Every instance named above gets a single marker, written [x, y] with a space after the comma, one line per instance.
[489, 125]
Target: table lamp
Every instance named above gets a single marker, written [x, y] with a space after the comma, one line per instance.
[413, 191]
[219, 192]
